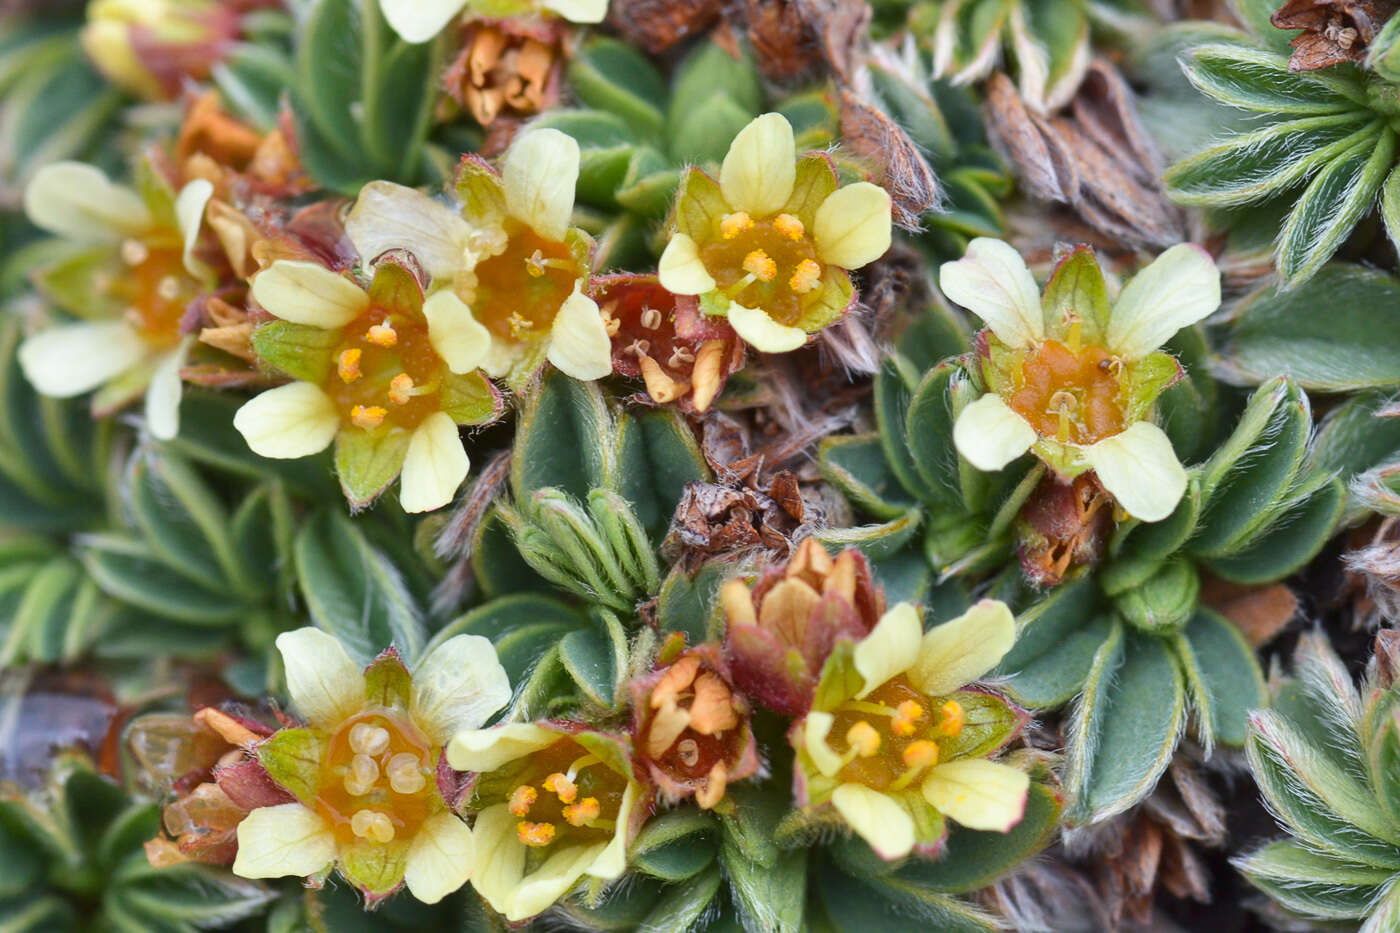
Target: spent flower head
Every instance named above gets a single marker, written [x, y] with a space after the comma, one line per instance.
[896, 741]
[510, 254]
[130, 277]
[768, 246]
[381, 372]
[372, 796]
[1073, 379]
[554, 802]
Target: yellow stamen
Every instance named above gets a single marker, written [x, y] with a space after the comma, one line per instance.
[535, 264]
[534, 834]
[805, 277]
[168, 288]
[382, 335]
[367, 739]
[921, 754]
[401, 389]
[517, 323]
[522, 799]
[761, 266]
[953, 718]
[561, 787]
[731, 225]
[367, 418]
[906, 717]
[583, 812]
[372, 825]
[134, 252]
[863, 739]
[405, 773]
[349, 365]
[789, 226]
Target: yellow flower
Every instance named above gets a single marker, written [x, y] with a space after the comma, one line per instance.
[364, 769]
[768, 246]
[130, 277]
[389, 387]
[510, 255]
[554, 803]
[421, 20]
[149, 47]
[894, 743]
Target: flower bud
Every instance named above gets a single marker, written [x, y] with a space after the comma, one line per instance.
[150, 46]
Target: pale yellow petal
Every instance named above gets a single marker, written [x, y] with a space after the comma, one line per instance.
[305, 293]
[958, 652]
[434, 466]
[498, 860]
[72, 359]
[579, 344]
[578, 11]
[164, 392]
[612, 861]
[561, 870]
[458, 338]
[1181, 287]
[326, 686]
[890, 649]
[458, 686]
[539, 172]
[853, 225]
[419, 20]
[439, 858]
[978, 794]
[992, 281]
[283, 840]
[389, 216]
[877, 818]
[77, 200]
[681, 270]
[990, 435]
[1140, 468]
[762, 332]
[489, 749]
[759, 170]
[816, 726]
[290, 421]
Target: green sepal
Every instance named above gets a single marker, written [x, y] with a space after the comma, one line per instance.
[814, 183]
[839, 679]
[396, 290]
[481, 191]
[700, 206]
[470, 398]
[300, 351]
[1076, 293]
[834, 295]
[293, 758]
[74, 282]
[368, 461]
[1146, 380]
[374, 867]
[388, 683]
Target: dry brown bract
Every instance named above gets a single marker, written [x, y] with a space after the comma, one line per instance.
[1334, 31]
[901, 168]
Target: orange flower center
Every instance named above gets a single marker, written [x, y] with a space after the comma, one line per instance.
[1069, 396]
[379, 779]
[893, 735]
[770, 264]
[565, 793]
[385, 372]
[156, 288]
[519, 290]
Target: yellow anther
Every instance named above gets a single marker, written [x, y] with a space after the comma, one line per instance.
[953, 718]
[534, 834]
[760, 265]
[522, 799]
[348, 366]
[535, 264]
[920, 754]
[372, 825]
[368, 739]
[168, 288]
[731, 225]
[517, 323]
[805, 277]
[907, 715]
[371, 417]
[651, 318]
[382, 335]
[583, 812]
[863, 739]
[560, 786]
[134, 252]
[405, 773]
[401, 389]
[789, 226]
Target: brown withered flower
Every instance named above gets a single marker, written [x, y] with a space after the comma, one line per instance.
[1063, 525]
[691, 728]
[781, 630]
[510, 68]
[1334, 31]
[206, 760]
[664, 340]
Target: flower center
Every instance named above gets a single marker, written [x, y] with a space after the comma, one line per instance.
[520, 289]
[379, 779]
[156, 288]
[565, 793]
[893, 736]
[770, 264]
[1069, 395]
[386, 372]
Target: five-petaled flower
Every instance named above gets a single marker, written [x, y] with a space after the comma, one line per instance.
[896, 741]
[1070, 378]
[130, 277]
[385, 374]
[510, 254]
[367, 770]
[768, 246]
[421, 20]
[555, 801]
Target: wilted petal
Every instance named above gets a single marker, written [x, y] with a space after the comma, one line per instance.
[290, 421]
[762, 332]
[287, 839]
[990, 435]
[305, 293]
[876, 818]
[458, 338]
[163, 394]
[1139, 467]
[958, 652]
[435, 465]
[326, 686]
[681, 270]
[419, 20]
[579, 345]
[978, 794]
[853, 225]
[439, 858]
[539, 172]
[1181, 287]
[890, 649]
[76, 200]
[761, 166]
[992, 282]
[72, 359]
[388, 216]
[457, 687]
[488, 749]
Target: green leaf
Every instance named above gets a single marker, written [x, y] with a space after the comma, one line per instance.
[687, 602]
[1257, 80]
[1313, 884]
[522, 627]
[329, 69]
[877, 542]
[1053, 677]
[856, 465]
[894, 384]
[769, 898]
[893, 905]
[707, 130]
[929, 432]
[559, 438]
[710, 72]
[1354, 437]
[675, 846]
[1293, 540]
[131, 572]
[596, 658]
[183, 521]
[617, 78]
[368, 461]
[1257, 15]
[1163, 602]
[352, 590]
[252, 79]
[681, 906]
[657, 456]
[1222, 674]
